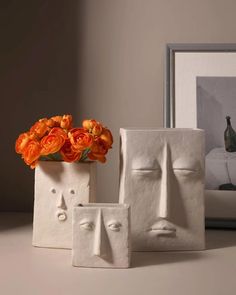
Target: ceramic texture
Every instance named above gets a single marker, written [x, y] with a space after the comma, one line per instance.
[162, 178]
[101, 236]
[59, 186]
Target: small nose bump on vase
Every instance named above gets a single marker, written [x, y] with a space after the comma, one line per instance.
[61, 202]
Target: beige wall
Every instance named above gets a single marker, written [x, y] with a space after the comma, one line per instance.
[122, 54]
[94, 58]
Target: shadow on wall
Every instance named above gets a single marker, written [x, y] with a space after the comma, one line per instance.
[39, 50]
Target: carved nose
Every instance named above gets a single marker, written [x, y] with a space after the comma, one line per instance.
[61, 204]
[163, 210]
[99, 249]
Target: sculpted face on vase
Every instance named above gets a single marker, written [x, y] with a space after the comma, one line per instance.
[162, 178]
[63, 196]
[101, 236]
[59, 186]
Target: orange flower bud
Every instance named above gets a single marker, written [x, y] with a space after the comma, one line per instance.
[87, 124]
[22, 142]
[93, 127]
[107, 137]
[39, 129]
[97, 129]
[44, 120]
[50, 123]
[80, 139]
[68, 155]
[66, 122]
[57, 120]
[32, 153]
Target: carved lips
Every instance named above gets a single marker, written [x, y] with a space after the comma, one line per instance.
[61, 215]
[163, 228]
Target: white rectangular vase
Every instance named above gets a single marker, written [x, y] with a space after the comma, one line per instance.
[101, 236]
[162, 178]
[59, 186]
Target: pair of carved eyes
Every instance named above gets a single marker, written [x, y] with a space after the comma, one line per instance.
[71, 191]
[89, 225]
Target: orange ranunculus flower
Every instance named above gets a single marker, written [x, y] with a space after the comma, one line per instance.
[32, 153]
[39, 129]
[44, 120]
[87, 124]
[97, 129]
[51, 144]
[80, 139]
[98, 151]
[50, 123]
[57, 120]
[107, 137]
[22, 142]
[58, 131]
[68, 155]
[66, 122]
[93, 127]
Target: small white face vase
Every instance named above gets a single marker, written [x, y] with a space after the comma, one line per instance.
[101, 236]
[59, 186]
[162, 178]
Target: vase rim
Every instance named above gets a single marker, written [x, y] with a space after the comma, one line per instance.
[103, 205]
[58, 161]
[151, 129]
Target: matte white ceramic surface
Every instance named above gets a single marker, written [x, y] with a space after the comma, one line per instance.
[59, 186]
[101, 236]
[162, 178]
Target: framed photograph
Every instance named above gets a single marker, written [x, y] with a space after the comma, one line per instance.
[200, 92]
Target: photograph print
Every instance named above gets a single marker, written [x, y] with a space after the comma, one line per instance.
[216, 114]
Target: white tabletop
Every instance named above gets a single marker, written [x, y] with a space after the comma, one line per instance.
[28, 270]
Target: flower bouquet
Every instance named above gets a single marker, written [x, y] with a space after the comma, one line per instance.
[65, 176]
[56, 139]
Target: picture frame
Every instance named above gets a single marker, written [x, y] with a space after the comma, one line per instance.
[189, 69]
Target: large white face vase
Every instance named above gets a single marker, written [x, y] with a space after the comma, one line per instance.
[101, 236]
[59, 186]
[162, 178]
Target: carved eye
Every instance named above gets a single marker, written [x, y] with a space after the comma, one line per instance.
[147, 172]
[114, 226]
[185, 171]
[186, 167]
[72, 191]
[87, 225]
[53, 190]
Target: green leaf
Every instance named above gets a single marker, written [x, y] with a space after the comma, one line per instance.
[51, 157]
[84, 155]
